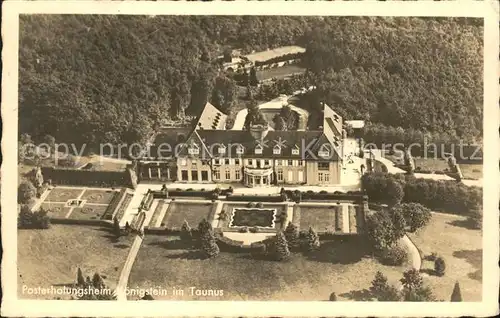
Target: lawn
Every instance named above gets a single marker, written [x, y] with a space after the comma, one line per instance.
[51, 257]
[99, 196]
[279, 72]
[88, 212]
[55, 210]
[63, 194]
[473, 171]
[431, 164]
[193, 213]
[461, 247]
[337, 267]
[320, 218]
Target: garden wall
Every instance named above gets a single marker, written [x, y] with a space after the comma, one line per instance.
[69, 176]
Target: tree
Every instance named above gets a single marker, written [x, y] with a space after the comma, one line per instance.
[26, 192]
[249, 93]
[98, 282]
[186, 234]
[254, 116]
[292, 236]
[395, 192]
[476, 217]
[398, 221]
[280, 247]
[224, 93]
[253, 77]
[80, 280]
[422, 293]
[227, 54]
[312, 238]
[68, 161]
[204, 226]
[439, 266]
[456, 295]
[209, 246]
[333, 297]
[116, 228]
[380, 230]
[416, 215]
[51, 143]
[412, 285]
[382, 290]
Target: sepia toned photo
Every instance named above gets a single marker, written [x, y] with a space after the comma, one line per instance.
[201, 158]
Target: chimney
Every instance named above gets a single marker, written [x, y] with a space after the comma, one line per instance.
[259, 131]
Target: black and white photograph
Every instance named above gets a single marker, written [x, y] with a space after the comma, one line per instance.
[241, 155]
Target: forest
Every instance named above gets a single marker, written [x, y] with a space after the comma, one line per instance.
[114, 78]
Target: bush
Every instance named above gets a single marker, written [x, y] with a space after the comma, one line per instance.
[243, 229]
[32, 220]
[439, 266]
[26, 192]
[416, 215]
[258, 249]
[251, 204]
[254, 229]
[456, 295]
[259, 205]
[280, 247]
[333, 297]
[432, 257]
[394, 256]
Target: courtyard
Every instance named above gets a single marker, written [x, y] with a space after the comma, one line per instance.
[193, 213]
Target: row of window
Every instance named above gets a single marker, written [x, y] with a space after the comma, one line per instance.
[258, 162]
[237, 175]
[322, 176]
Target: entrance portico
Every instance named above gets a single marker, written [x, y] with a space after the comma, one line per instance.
[254, 177]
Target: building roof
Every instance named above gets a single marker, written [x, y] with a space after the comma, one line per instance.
[277, 52]
[211, 118]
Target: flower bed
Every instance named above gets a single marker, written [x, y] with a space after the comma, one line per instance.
[250, 217]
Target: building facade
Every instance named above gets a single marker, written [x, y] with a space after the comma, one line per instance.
[257, 157]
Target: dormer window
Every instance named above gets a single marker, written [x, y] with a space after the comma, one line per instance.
[295, 150]
[324, 151]
[194, 149]
[277, 150]
[222, 149]
[258, 149]
[240, 149]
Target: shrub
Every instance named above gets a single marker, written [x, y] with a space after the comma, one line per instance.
[259, 205]
[32, 220]
[333, 297]
[251, 204]
[189, 189]
[456, 295]
[26, 192]
[208, 244]
[475, 217]
[254, 229]
[439, 266]
[416, 215]
[380, 230]
[280, 248]
[394, 256]
[243, 229]
[258, 249]
[186, 232]
[323, 192]
[432, 257]
[292, 236]
[312, 240]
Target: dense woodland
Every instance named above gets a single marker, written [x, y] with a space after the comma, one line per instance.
[93, 79]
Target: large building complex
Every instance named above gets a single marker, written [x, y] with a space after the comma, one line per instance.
[259, 156]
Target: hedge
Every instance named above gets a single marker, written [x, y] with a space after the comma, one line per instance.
[444, 195]
[256, 198]
[114, 204]
[349, 196]
[69, 176]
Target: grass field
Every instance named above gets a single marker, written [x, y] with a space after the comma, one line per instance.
[279, 72]
[474, 171]
[63, 194]
[193, 213]
[51, 257]
[88, 212]
[98, 196]
[461, 248]
[337, 267]
[320, 218]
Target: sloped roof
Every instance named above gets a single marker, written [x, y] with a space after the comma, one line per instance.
[211, 118]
